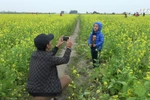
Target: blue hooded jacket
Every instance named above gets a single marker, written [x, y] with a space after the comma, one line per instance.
[99, 37]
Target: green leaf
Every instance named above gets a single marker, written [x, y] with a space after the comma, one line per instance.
[123, 83]
[86, 93]
[139, 89]
[147, 85]
[132, 98]
[111, 85]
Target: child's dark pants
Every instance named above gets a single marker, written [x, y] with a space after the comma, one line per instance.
[94, 54]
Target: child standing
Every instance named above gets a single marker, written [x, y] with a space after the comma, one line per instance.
[96, 41]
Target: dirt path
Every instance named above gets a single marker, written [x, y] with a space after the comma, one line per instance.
[62, 69]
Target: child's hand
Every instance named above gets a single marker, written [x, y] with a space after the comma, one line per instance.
[90, 45]
[94, 45]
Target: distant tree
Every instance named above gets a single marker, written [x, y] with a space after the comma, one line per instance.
[95, 12]
[113, 13]
[62, 12]
[73, 12]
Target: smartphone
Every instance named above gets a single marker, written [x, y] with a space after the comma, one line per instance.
[65, 38]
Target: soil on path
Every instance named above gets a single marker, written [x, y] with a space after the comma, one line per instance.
[62, 69]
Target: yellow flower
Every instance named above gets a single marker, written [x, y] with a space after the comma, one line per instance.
[20, 55]
[91, 63]
[69, 97]
[12, 52]
[131, 72]
[129, 92]
[98, 91]
[115, 96]
[138, 60]
[19, 95]
[69, 85]
[118, 71]
[147, 78]
[78, 75]
[74, 71]
[138, 82]
[140, 71]
[74, 87]
[72, 94]
[2, 59]
[13, 65]
[105, 83]
[72, 82]
[13, 69]
[148, 73]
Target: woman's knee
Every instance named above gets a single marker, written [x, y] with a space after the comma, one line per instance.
[65, 81]
[68, 78]
[42, 98]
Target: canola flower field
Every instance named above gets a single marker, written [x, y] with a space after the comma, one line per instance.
[17, 33]
[124, 72]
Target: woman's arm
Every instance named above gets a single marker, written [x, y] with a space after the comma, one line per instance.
[64, 59]
[54, 51]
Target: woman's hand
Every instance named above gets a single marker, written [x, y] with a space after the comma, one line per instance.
[60, 42]
[69, 43]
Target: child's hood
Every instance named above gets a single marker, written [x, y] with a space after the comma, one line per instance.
[100, 25]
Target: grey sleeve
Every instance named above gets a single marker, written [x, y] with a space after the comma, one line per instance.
[62, 60]
[54, 51]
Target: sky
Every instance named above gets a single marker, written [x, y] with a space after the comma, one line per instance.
[109, 6]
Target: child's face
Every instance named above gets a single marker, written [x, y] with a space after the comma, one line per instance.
[96, 27]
